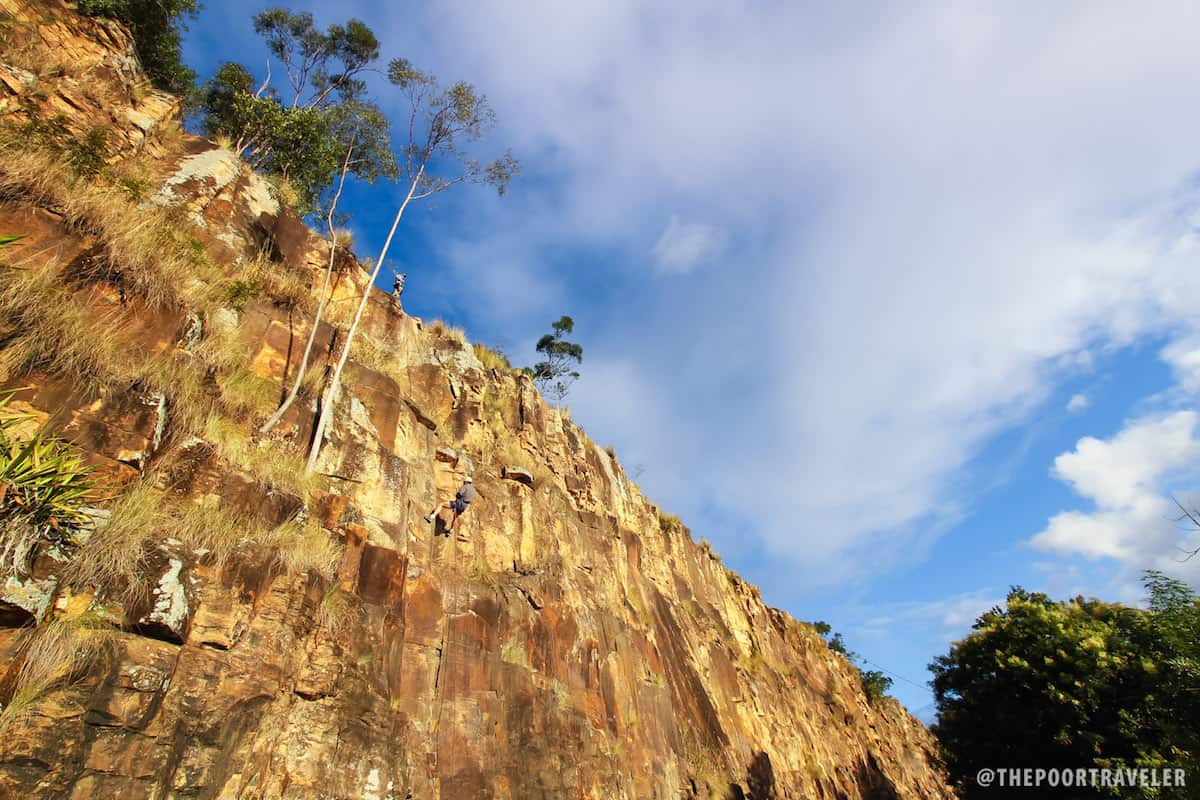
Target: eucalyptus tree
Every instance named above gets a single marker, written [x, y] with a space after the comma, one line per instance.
[296, 136]
[361, 129]
[556, 373]
[441, 123]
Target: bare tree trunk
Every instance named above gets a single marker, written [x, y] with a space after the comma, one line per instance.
[334, 383]
[312, 334]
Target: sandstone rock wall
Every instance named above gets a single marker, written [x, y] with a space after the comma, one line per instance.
[567, 641]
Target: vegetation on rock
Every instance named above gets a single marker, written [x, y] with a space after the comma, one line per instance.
[557, 372]
[45, 485]
[157, 27]
[327, 123]
[874, 683]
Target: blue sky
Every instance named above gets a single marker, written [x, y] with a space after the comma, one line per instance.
[897, 306]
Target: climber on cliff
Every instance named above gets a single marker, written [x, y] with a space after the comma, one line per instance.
[462, 499]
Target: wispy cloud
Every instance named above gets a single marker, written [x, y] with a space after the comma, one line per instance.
[1078, 403]
[684, 246]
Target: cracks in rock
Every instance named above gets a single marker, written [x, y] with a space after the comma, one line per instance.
[534, 601]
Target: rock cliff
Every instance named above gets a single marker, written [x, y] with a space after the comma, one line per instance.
[251, 634]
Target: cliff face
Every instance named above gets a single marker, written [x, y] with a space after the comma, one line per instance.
[566, 641]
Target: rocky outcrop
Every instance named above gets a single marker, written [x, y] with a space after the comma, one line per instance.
[84, 70]
[567, 641]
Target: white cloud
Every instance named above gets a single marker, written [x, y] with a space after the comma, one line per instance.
[1127, 478]
[683, 246]
[928, 235]
[1183, 355]
[1077, 403]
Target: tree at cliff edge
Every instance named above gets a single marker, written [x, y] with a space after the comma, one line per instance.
[557, 372]
[441, 122]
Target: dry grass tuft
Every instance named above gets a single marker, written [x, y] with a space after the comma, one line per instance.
[492, 359]
[210, 530]
[371, 354]
[245, 393]
[52, 330]
[54, 655]
[338, 610]
[142, 251]
[290, 288]
[304, 546]
[314, 378]
[440, 330]
[114, 556]
[343, 239]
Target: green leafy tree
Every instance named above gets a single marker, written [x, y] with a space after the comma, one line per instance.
[1073, 684]
[556, 372]
[302, 138]
[157, 27]
[318, 64]
[442, 122]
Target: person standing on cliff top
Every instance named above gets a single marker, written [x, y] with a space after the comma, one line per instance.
[462, 498]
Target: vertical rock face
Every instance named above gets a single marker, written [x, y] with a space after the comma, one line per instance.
[567, 641]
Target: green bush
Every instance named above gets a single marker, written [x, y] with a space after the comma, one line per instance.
[157, 27]
[86, 156]
[875, 684]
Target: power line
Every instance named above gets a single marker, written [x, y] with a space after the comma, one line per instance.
[894, 674]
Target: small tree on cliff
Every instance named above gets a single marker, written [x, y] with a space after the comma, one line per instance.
[441, 121]
[556, 374]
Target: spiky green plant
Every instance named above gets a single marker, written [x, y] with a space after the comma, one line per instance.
[42, 479]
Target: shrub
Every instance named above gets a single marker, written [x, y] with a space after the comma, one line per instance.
[239, 293]
[875, 684]
[157, 27]
[86, 156]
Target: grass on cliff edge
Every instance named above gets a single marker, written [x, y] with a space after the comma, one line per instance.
[210, 392]
[141, 249]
